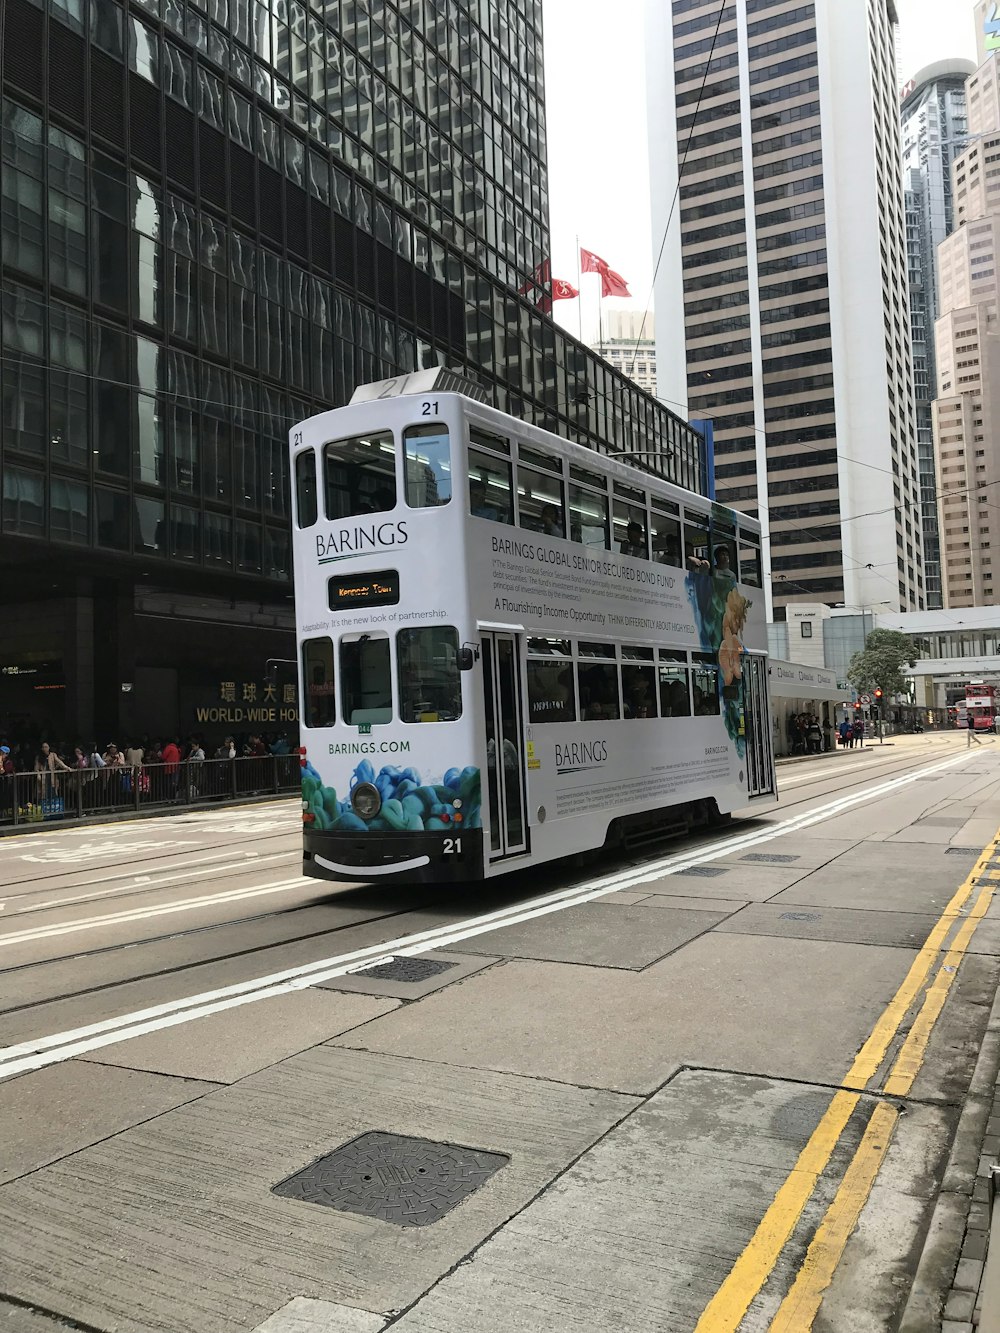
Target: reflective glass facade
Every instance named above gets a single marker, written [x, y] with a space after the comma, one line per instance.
[219, 217]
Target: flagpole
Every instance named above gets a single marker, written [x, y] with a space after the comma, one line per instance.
[579, 298]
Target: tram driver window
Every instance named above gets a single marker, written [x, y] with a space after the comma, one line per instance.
[638, 683]
[360, 475]
[365, 679]
[597, 681]
[430, 685]
[490, 493]
[428, 466]
[317, 681]
[551, 688]
[675, 690]
[705, 683]
[305, 488]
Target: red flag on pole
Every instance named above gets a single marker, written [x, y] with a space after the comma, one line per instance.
[561, 290]
[612, 283]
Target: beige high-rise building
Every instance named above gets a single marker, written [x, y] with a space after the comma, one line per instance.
[776, 183]
[628, 341]
[967, 345]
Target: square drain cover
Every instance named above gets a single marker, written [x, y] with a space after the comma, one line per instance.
[410, 1182]
[405, 969]
[706, 872]
[773, 858]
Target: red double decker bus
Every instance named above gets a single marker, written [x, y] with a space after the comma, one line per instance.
[981, 702]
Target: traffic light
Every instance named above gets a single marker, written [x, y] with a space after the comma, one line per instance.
[878, 692]
[857, 708]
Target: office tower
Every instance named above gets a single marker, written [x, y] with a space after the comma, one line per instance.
[967, 347]
[785, 255]
[628, 342]
[219, 216]
[933, 133]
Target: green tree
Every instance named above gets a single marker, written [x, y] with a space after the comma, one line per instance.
[886, 653]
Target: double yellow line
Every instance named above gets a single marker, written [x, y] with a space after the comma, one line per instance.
[727, 1308]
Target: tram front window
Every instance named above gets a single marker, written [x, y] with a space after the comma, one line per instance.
[430, 685]
[365, 679]
[360, 475]
[428, 466]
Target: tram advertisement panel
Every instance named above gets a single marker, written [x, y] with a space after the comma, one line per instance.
[558, 587]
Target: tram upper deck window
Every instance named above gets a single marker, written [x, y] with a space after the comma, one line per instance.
[675, 683]
[665, 525]
[638, 682]
[705, 683]
[696, 543]
[365, 679]
[491, 494]
[597, 682]
[630, 535]
[724, 562]
[540, 502]
[305, 488]
[317, 683]
[551, 688]
[750, 559]
[360, 475]
[430, 685]
[427, 451]
[497, 444]
[589, 515]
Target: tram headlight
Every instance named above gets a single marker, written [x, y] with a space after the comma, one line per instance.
[366, 800]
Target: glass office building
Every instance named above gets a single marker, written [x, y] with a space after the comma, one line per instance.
[219, 216]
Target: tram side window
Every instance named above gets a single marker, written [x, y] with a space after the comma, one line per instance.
[317, 680]
[588, 517]
[705, 680]
[597, 681]
[305, 488]
[365, 679]
[540, 503]
[630, 536]
[696, 545]
[724, 551]
[675, 687]
[490, 493]
[638, 682]
[666, 533]
[750, 572]
[360, 475]
[427, 451]
[430, 684]
[551, 688]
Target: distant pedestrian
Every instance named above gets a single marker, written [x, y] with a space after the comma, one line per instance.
[971, 731]
[858, 731]
[171, 767]
[846, 735]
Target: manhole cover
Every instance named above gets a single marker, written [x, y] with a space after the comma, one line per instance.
[773, 858]
[800, 916]
[410, 1182]
[405, 969]
[706, 872]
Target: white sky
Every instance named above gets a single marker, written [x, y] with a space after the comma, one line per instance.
[596, 111]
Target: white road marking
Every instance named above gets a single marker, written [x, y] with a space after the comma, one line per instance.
[150, 911]
[67, 855]
[41, 1051]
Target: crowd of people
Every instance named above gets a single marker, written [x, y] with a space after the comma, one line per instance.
[806, 734]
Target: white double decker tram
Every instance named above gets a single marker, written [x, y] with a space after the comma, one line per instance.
[512, 648]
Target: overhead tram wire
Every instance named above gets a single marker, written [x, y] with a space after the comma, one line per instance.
[680, 173]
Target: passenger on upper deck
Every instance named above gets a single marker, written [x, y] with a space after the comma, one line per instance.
[478, 503]
[635, 541]
[723, 567]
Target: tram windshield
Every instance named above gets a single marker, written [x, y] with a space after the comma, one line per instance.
[360, 475]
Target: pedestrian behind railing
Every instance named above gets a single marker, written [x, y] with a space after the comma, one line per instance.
[35, 798]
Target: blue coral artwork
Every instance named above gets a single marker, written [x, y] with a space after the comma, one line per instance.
[721, 612]
[409, 805]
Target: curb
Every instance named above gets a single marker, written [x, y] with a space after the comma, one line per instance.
[950, 1266]
[129, 816]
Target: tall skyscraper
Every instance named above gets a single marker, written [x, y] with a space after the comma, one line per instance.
[775, 163]
[967, 347]
[934, 124]
[217, 217]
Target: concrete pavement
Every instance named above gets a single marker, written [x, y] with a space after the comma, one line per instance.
[684, 1065]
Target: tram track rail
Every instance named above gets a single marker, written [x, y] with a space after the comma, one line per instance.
[491, 895]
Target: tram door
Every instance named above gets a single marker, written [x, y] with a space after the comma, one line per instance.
[504, 745]
[757, 715]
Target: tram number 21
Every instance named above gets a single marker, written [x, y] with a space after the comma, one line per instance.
[452, 845]
[428, 409]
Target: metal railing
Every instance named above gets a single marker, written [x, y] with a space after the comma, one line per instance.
[35, 798]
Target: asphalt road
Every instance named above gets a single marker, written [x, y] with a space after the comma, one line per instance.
[702, 1076]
